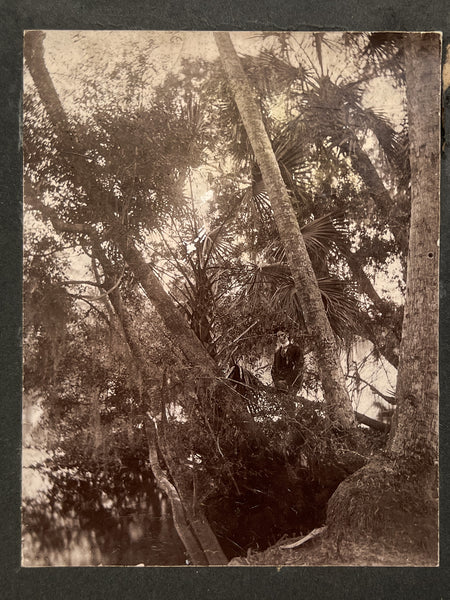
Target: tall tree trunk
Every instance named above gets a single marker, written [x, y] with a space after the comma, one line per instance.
[415, 426]
[332, 377]
[401, 487]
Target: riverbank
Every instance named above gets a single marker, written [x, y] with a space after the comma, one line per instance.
[321, 552]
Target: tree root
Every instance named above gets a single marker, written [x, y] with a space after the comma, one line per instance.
[385, 501]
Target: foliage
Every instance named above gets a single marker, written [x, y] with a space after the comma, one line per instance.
[222, 265]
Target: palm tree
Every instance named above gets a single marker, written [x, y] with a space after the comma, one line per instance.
[407, 474]
[324, 136]
[336, 395]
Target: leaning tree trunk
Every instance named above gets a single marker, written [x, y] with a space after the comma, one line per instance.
[401, 487]
[84, 176]
[332, 377]
[190, 542]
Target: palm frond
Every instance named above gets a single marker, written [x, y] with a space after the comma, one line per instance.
[338, 296]
[340, 304]
[231, 124]
[383, 45]
[290, 145]
[272, 74]
[391, 142]
[213, 244]
[194, 116]
[321, 234]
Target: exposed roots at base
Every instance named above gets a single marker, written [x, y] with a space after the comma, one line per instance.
[384, 502]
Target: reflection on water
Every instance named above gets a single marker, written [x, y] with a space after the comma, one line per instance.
[77, 523]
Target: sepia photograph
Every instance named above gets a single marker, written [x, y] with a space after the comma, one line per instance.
[230, 298]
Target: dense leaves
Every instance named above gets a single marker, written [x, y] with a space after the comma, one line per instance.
[168, 168]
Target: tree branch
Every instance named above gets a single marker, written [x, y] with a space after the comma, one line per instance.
[373, 423]
[388, 399]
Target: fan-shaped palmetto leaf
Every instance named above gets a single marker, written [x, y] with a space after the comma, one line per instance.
[213, 244]
[337, 118]
[384, 46]
[340, 303]
[320, 236]
[194, 116]
[257, 198]
[231, 124]
[337, 295]
[271, 73]
[290, 155]
[330, 112]
[290, 146]
[395, 145]
[322, 233]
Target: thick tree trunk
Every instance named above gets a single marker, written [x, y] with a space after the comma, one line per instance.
[332, 377]
[415, 428]
[401, 487]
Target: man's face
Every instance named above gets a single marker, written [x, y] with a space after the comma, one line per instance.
[282, 337]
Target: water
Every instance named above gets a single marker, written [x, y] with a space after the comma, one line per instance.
[124, 519]
[81, 525]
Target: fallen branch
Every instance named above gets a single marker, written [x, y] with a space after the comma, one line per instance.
[314, 533]
[179, 519]
[373, 423]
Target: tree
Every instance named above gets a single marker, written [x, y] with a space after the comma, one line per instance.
[401, 487]
[84, 176]
[414, 435]
[80, 172]
[336, 395]
[171, 271]
[352, 158]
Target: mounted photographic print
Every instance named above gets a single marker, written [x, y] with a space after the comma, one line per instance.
[230, 341]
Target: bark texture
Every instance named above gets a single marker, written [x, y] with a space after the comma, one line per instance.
[415, 427]
[401, 486]
[332, 377]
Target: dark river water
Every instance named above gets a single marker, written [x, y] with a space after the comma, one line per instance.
[117, 515]
[88, 527]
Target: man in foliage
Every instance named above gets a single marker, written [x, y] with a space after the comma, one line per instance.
[287, 369]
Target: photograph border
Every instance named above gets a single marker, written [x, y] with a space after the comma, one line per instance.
[180, 582]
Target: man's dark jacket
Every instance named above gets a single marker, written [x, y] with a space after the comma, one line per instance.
[288, 365]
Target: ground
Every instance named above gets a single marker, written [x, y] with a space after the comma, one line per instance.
[319, 552]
